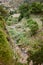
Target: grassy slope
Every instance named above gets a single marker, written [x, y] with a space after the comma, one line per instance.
[19, 29]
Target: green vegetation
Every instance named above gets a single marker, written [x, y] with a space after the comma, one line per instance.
[3, 12]
[6, 54]
[23, 31]
[37, 7]
[2, 23]
[36, 53]
[32, 25]
[11, 20]
[24, 10]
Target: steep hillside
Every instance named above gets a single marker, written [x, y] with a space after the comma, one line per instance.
[21, 33]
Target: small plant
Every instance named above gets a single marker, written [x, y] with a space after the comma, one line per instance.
[33, 26]
[11, 20]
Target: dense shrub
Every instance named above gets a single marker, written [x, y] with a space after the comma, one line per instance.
[32, 25]
[37, 7]
[36, 54]
[24, 10]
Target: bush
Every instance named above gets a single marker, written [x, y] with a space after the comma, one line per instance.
[37, 7]
[32, 25]
[36, 54]
[35, 51]
[24, 10]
